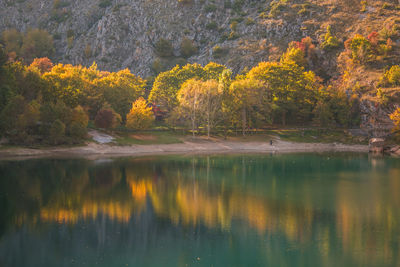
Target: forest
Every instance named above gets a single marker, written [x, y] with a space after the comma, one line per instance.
[42, 102]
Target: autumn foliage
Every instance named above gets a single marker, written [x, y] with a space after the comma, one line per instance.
[140, 117]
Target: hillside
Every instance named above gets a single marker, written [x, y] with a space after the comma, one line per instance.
[121, 34]
[329, 63]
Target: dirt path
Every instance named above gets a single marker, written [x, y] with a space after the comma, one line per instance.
[101, 138]
[93, 150]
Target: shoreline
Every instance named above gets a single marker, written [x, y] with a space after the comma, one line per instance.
[94, 150]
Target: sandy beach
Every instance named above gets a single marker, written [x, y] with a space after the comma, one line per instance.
[201, 146]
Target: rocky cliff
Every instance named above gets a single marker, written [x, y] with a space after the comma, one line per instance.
[122, 33]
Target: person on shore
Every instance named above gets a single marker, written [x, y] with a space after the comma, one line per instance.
[270, 142]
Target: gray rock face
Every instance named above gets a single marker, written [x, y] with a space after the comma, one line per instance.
[123, 33]
[375, 118]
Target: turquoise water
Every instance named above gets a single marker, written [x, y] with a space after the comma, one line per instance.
[224, 210]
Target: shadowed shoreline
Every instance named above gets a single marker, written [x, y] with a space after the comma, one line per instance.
[94, 151]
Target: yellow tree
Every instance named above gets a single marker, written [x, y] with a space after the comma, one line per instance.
[210, 98]
[140, 116]
[189, 101]
[395, 117]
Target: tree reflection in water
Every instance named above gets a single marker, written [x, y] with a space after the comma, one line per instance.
[298, 209]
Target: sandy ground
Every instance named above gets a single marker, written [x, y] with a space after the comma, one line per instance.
[101, 138]
[200, 146]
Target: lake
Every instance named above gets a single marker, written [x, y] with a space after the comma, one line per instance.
[334, 209]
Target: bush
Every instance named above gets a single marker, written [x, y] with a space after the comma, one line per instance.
[210, 8]
[237, 5]
[360, 48]
[212, 26]
[391, 77]
[58, 4]
[250, 21]
[77, 130]
[140, 116]
[107, 118]
[37, 43]
[164, 48]
[330, 42]
[218, 51]
[187, 48]
[185, 1]
[105, 3]
[276, 7]
[57, 132]
[395, 117]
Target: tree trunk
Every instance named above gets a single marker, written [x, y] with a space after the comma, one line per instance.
[284, 118]
[193, 122]
[208, 125]
[244, 123]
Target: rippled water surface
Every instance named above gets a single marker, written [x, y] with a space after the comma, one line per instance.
[223, 210]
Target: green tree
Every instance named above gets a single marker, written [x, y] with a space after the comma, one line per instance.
[251, 102]
[10, 114]
[167, 84]
[77, 127]
[291, 90]
[57, 132]
[37, 43]
[12, 40]
[120, 89]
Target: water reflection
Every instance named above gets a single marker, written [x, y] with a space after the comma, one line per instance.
[276, 209]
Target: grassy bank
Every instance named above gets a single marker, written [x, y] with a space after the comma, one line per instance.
[293, 135]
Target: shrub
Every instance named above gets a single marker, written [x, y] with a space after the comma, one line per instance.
[58, 4]
[227, 4]
[164, 48]
[391, 77]
[77, 130]
[395, 117]
[237, 5]
[104, 119]
[185, 1]
[250, 21]
[57, 132]
[105, 3]
[218, 51]
[187, 48]
[276, 7]
[37, 43]
[107, 118]
[79, 115]
[212, 26]
[210, 8]
[140, 116]
[360, 48]
[330, 41]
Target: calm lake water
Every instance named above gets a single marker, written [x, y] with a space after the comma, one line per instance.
[253, 210]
